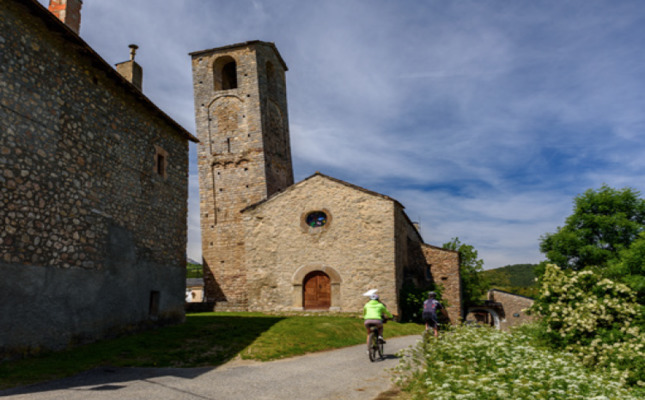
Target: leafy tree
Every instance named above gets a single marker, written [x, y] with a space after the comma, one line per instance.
[629, 267]
[473, 283]
[604, 222]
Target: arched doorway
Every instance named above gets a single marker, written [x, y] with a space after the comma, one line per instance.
[316, 291]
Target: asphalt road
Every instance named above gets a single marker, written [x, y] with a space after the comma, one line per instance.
[339, 374]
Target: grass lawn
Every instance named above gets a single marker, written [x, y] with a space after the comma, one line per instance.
[207, 339]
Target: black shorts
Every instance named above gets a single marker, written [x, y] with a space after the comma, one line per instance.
[430, 319]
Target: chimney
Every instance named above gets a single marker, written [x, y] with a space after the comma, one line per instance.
[130, 70]
[68, 11]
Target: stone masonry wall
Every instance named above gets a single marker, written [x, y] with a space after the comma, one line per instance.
[514, 308]
[411, 262]
[89, 228]
[244, 156]
[444, 267]
[356, 245]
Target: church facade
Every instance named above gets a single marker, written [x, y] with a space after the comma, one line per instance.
[272, 245]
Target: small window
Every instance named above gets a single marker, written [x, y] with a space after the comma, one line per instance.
[316, 219]
[153, 308]
[161, 162]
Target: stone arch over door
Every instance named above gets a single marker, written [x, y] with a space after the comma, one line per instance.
[298, 282]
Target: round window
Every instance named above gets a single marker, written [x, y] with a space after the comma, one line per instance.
[316, 219]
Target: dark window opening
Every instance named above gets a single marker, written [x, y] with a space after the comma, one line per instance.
[153, 310]
[229, 76]
[316, 219]
[161, 165]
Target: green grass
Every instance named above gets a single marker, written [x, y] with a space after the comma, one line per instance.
[207, 339]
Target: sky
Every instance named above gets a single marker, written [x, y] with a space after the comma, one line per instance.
[483, 118]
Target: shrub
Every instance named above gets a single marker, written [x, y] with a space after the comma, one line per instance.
[485, 363]
[594, 318]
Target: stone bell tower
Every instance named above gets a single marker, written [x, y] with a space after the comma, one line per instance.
[244, 154]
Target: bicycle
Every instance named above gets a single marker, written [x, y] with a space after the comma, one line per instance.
[374, 344]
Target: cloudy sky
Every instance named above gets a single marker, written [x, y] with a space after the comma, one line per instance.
[483, 118]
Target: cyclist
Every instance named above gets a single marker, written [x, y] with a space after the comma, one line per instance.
[373, 313]
[430, 308]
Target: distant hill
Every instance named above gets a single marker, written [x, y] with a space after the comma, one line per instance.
[517, 279]
[193, 270]
[191, 261]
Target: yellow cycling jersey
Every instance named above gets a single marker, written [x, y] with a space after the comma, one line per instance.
[374, 309]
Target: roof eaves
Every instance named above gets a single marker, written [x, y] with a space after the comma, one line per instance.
[439, 248]
[243, 44]
[317, 173]
[98, 62]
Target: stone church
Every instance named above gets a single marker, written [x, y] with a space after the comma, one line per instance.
[272, 245]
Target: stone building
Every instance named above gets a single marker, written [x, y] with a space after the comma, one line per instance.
[269, 244]
[502, 310]
[93, 189]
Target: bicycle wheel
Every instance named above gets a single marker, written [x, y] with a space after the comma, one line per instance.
[372, 348]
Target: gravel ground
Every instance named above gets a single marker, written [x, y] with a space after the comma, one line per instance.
[338, 374]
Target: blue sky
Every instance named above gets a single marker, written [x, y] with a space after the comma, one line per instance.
[483, 118]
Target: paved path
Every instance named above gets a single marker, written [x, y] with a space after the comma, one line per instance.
[339, 374]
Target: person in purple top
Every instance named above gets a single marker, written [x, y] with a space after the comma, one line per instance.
[430, 308]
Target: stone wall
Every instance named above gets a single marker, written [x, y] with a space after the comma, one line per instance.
[514, 307]
[356, 246]
[94, 233]
[412, 268]
[244, 155]
[444, 267]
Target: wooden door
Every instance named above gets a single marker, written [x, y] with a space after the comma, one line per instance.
[316, 291]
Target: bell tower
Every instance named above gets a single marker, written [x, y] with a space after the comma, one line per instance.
[244, 154]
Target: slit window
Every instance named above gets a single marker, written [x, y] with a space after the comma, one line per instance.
[153, 310]
[160, 162]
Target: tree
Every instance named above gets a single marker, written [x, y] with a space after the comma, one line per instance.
[474, 285]
[629, 268]
[604, 222]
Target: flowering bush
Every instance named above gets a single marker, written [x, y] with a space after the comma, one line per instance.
[486, 364]
[594, 318]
